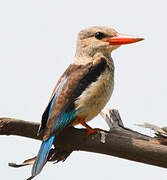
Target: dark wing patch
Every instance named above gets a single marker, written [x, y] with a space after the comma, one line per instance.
[45, 117]
[92, 75]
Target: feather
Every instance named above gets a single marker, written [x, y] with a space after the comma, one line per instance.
[42, 156]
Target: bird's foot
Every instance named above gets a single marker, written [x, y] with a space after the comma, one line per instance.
[91, 130]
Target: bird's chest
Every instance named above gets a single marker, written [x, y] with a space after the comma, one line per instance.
[95, 96]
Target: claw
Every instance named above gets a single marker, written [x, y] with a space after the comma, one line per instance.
[90, 130]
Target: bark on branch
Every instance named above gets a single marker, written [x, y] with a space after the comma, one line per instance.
[119, 141]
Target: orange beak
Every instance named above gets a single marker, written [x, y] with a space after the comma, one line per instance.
[121, 39]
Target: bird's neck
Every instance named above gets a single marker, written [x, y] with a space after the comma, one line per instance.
[82, 59]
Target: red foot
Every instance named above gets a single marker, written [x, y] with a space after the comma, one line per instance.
[90, 130]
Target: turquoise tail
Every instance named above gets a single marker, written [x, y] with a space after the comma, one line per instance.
[42, 156]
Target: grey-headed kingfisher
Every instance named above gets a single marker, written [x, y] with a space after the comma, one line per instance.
[84, 88]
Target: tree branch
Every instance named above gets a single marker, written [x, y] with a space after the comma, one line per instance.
[119, 141]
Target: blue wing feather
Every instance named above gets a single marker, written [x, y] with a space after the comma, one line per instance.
[65, 118]
[43, 153]
[55, 96]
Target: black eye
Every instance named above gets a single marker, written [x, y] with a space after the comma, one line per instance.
[99, 35]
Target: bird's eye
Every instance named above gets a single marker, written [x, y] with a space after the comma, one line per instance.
[99, 35]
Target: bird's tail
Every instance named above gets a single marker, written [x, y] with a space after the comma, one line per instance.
[42, 156]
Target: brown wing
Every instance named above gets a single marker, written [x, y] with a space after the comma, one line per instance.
[78, 78]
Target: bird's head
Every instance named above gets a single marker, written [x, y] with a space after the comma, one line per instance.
[103, 40]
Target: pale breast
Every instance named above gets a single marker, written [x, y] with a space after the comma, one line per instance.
[95, 96]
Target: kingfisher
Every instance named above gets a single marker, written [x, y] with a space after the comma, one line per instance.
[83, 89]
